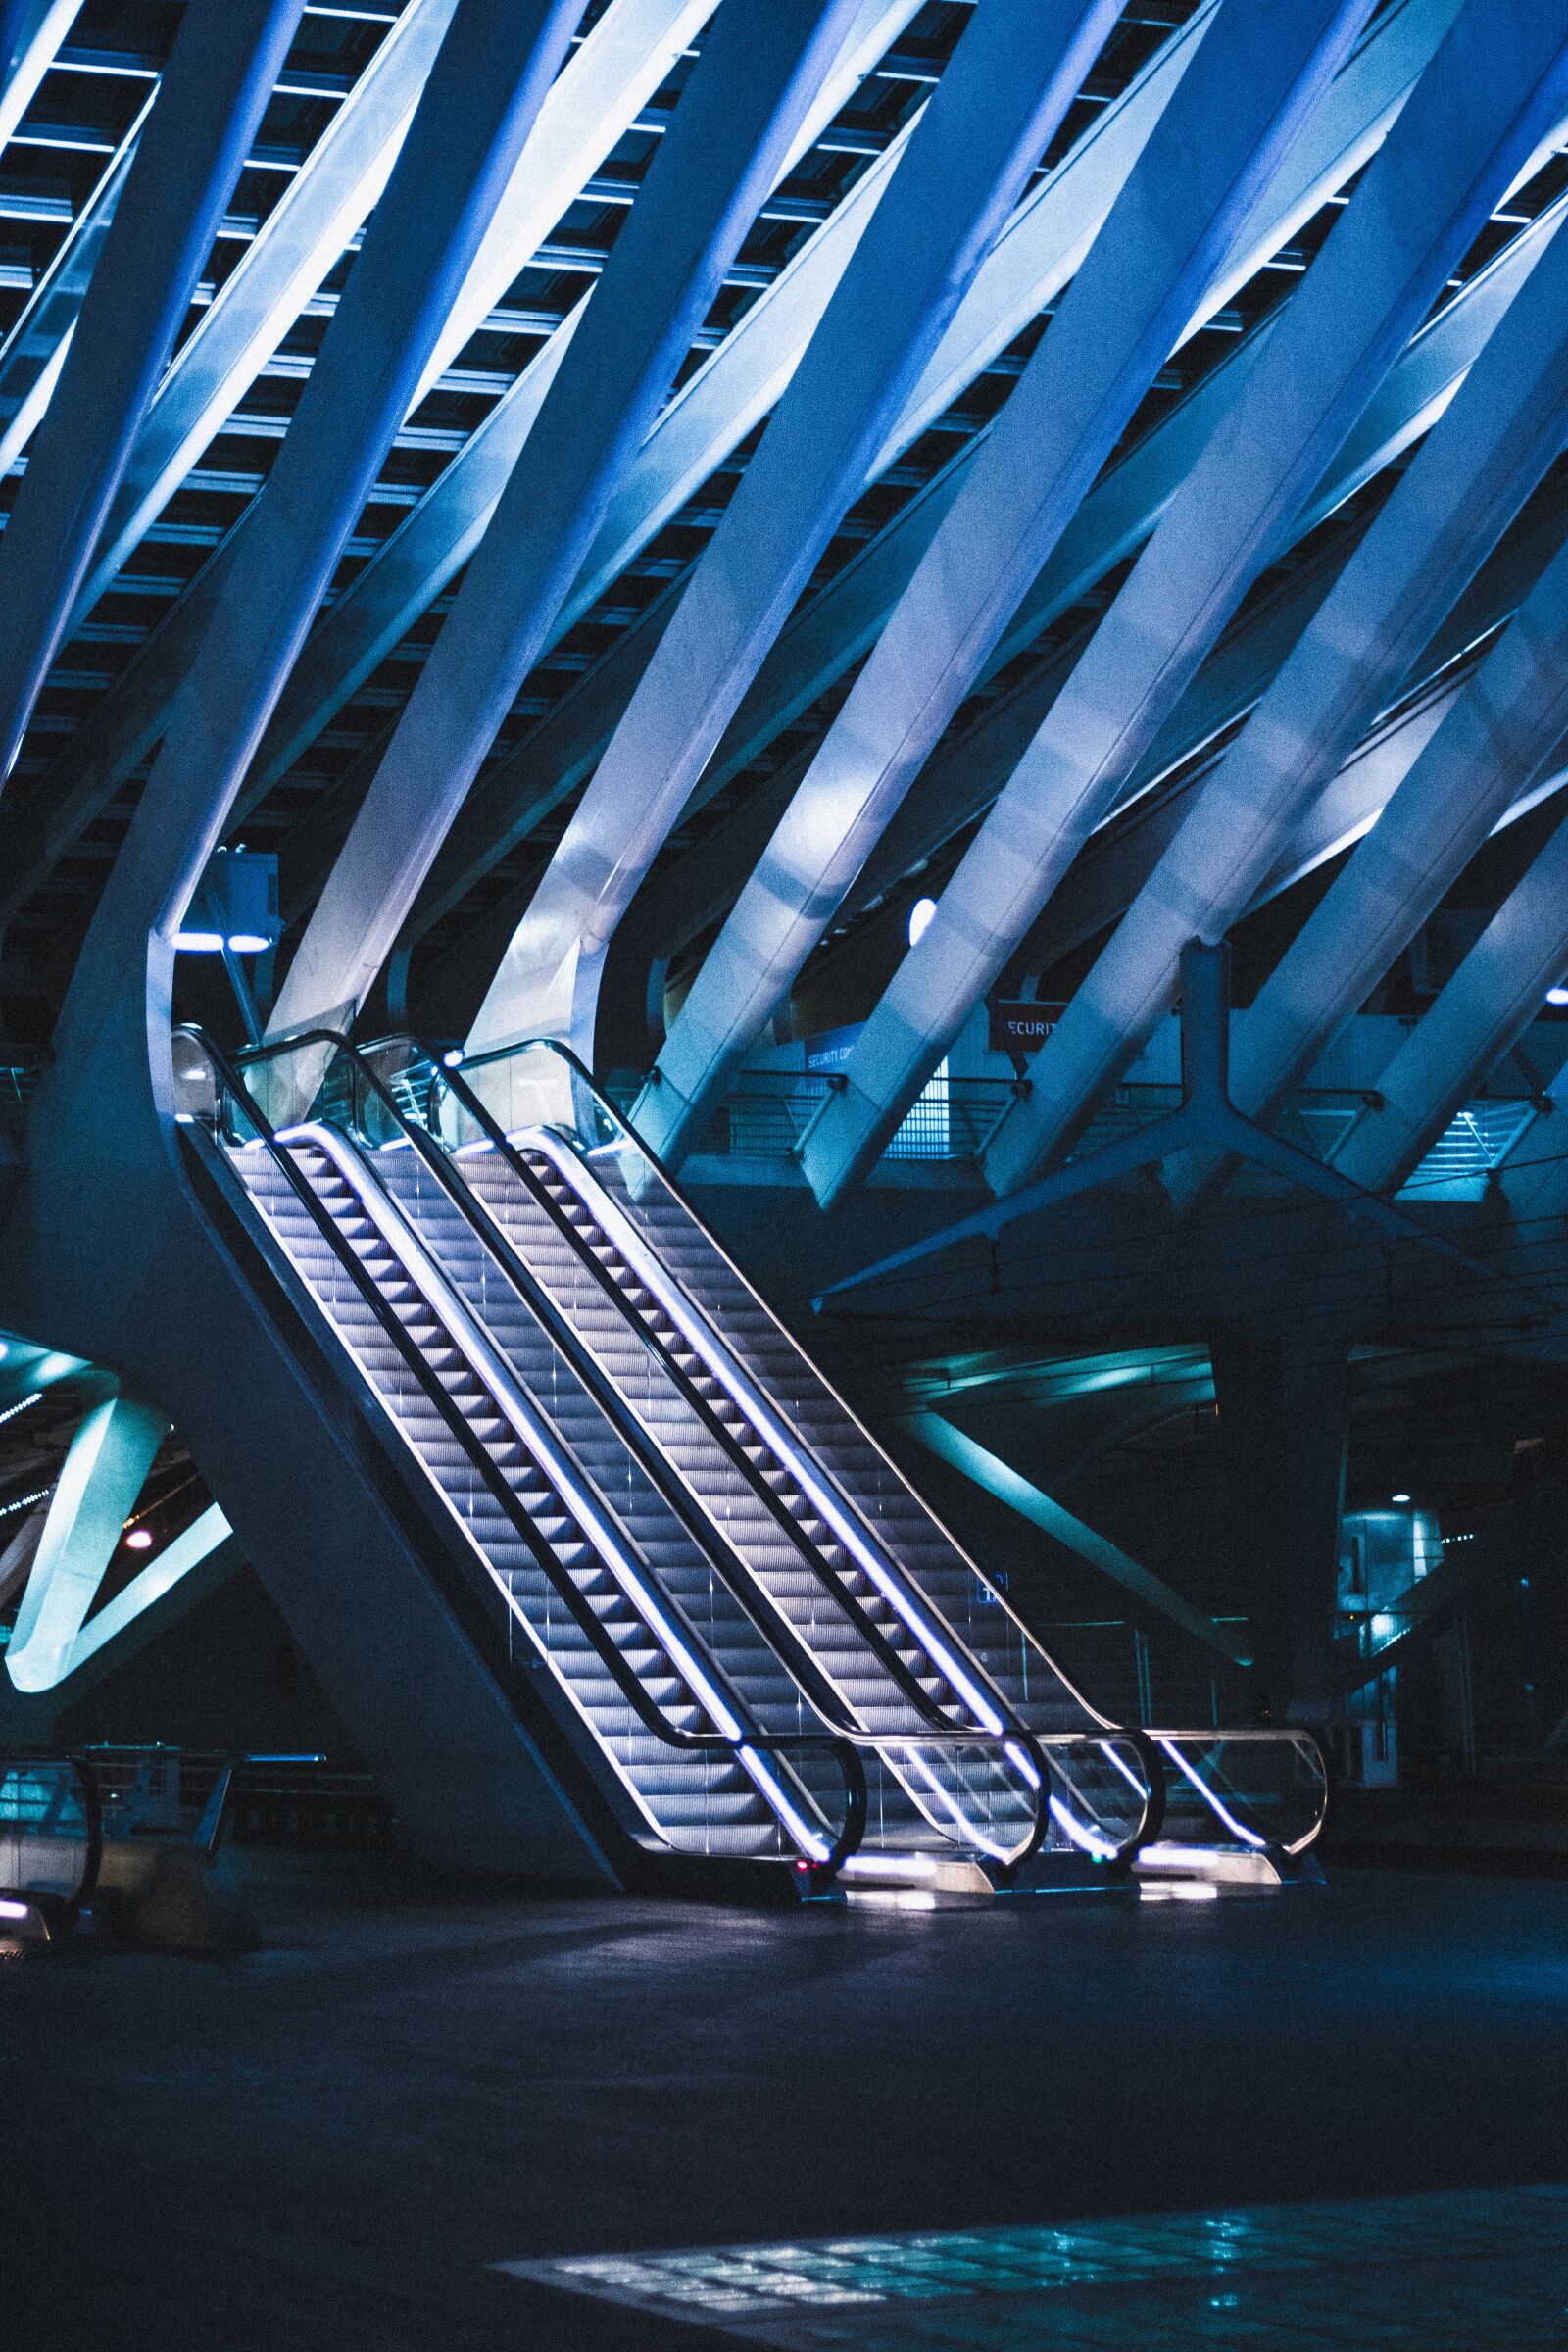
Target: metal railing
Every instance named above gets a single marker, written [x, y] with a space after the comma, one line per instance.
[51, 1842]
[769, 1114]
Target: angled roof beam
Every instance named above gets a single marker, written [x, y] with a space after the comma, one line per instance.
[1508, 424]
[1175, 224]
[32, 34]
[1115, 864]
[1011, 80]
[1504, 726]
[1032, 260]
[34, 351]
[823, 641]
[965, 777]
[1477, 1017]
[761, 67]
[698, 430]
[607, 79]
[965, 773]
[316, 217]
[1497, 88]
[208, 1542]
[220, 74]
[998, 1479]
[480, 104]
[104, 1471]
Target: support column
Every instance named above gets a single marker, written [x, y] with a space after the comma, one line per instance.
[1284, 1427]
[108, 1240]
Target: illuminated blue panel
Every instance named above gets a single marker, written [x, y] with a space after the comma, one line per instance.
[1482, 2268]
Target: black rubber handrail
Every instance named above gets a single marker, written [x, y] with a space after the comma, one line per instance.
[874, 1635]
[1044, 1750]
[648, 1713]
[938, 1729]
[1155, 1766]
[1034, 1745]
[941, 1727]
[1100, 1728]
[709, 1539]
[1020, 1735]
[584, 1078]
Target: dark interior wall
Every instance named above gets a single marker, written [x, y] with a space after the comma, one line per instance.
[229, 1675]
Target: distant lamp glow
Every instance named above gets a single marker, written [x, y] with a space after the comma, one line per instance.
[920, 915]
[138, 1539]
[1558, 996]
[1401, 1499]
[235, 905]
[453, 1061]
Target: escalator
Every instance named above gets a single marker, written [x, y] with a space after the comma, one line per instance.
[762, 1644]
[601, 1594]
[1247, 1797]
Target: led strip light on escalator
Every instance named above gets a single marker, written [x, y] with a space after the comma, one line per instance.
[731, 1376]
[490, 1369]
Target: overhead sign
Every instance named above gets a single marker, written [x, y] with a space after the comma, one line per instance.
[1020, 1025]
[832, 1047]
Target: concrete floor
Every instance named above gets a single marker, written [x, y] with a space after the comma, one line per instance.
[328, 2142]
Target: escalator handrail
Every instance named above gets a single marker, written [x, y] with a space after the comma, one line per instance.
[648, 1712]
[1155, 1757]
[1014, 1734]
[1165, 1745]
[739, 1579]
[1042, 1766]
[518, 1160]
[1045, 1764]
[941, 1729]
[1014, 1740]
[865, 1625]
[455, 1078]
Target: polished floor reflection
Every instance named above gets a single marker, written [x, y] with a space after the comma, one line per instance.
[1340, 2104]
[1471, 2269]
